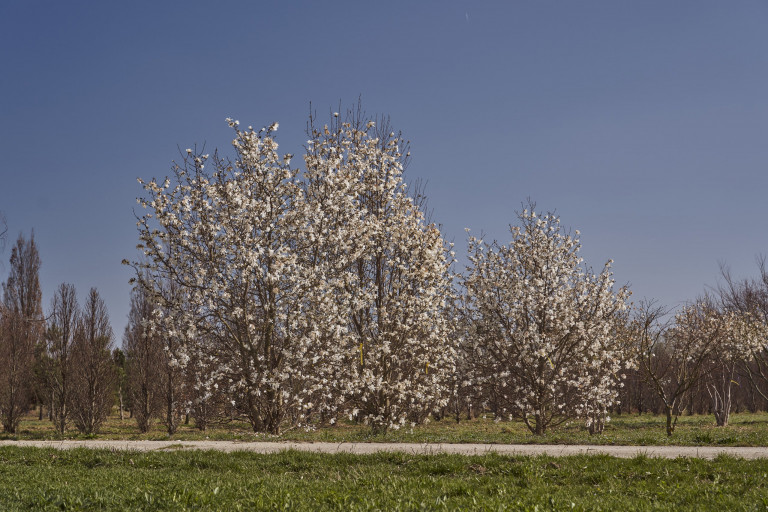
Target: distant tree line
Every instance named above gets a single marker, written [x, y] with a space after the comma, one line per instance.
[290, 298]
[62, 360]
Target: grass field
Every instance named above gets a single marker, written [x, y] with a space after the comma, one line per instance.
[46, 479]
[745, 430]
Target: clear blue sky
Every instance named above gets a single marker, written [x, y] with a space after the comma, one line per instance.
[643, 124]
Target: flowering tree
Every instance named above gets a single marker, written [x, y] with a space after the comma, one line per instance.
[675, 357]
[389, 274]
[304, 294]
[470, 361]
[544, 325]
[739, 336]
[748, 299]
[225, 243]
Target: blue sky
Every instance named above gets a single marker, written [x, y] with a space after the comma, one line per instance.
[643, 124]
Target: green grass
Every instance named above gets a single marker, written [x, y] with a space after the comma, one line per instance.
[47, 479]
[745, 430]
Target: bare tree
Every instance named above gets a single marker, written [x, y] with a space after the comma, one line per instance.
[61, 332]
[145, 360]
[121, 381]
[22, 329]
[93, 382]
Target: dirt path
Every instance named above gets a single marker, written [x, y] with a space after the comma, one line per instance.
[704, 452]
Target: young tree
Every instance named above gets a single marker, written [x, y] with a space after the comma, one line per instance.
[62, 323]
[92, 391]
[145, 360]
[544, 326]
[738, 336]
[22, 329]
[675, 357]
[748, 298]
[121, 381]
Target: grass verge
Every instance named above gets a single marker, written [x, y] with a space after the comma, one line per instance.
[47, 479]
[746, 429]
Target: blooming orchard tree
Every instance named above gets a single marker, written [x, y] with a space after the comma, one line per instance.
[748, 299]
[739, 336]
[544, 326]
[225, 243]
[470, 359]
[388, 274]
[674, 357]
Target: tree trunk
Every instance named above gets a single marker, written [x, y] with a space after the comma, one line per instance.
[670, 423]
[458, 409]
[720, 400]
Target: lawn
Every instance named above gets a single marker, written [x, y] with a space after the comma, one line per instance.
[746, 429]
[47, 479]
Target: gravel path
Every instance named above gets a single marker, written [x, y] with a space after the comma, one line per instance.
[670, 452]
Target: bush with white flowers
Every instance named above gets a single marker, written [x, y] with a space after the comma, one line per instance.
[544, 327]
